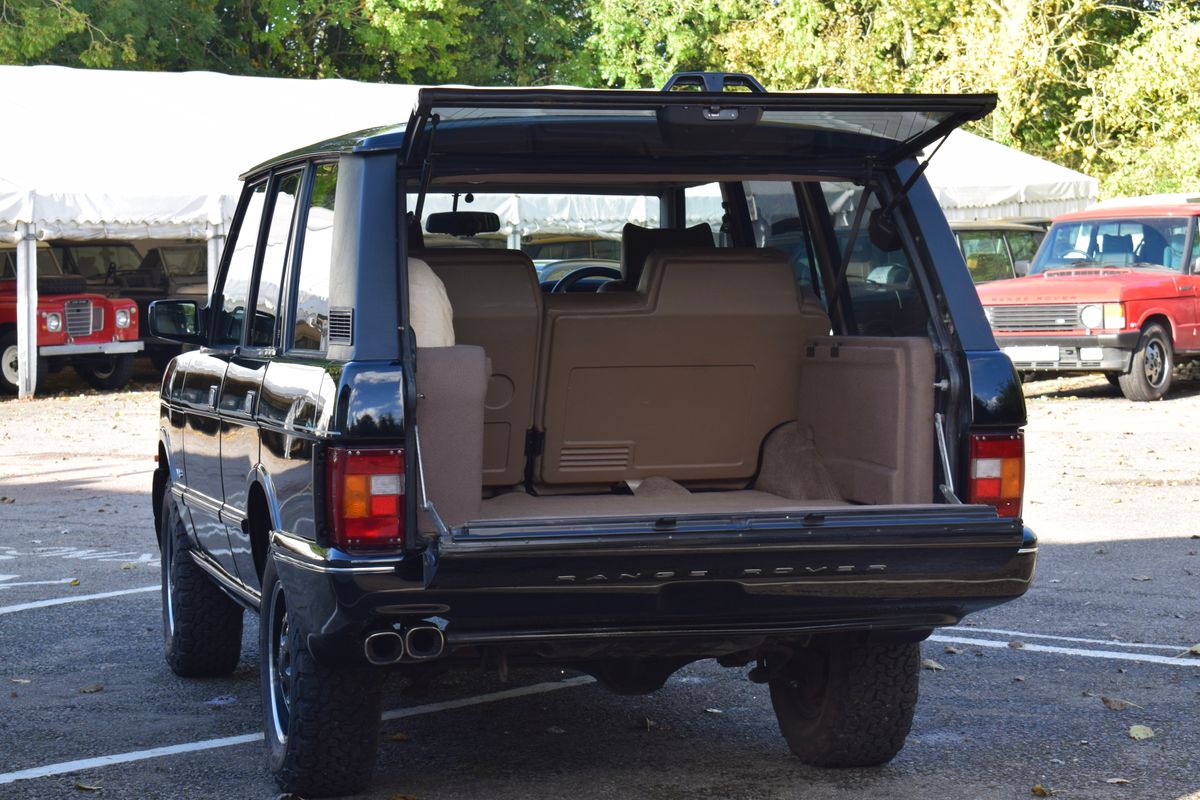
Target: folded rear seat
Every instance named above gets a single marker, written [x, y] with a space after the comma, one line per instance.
[498, 306]
[682, 379]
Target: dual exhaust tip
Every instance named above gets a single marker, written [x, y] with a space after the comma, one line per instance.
[418, 643]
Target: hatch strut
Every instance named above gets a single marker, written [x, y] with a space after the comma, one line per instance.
[939, 422]
[426, 504]
[426, 168]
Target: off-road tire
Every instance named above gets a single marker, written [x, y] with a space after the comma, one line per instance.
[1149, 376]
[202, 626]
[110, 373]
[8, 373]
[843, 703]
[321, 724]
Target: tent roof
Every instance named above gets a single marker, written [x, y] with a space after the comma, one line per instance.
[103, 149]
[976, 178]
[151, 154]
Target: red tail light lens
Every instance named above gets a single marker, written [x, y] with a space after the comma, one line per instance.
[998, 471]
[365, 491]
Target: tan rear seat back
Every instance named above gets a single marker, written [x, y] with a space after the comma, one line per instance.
[498, 306]
[683, 379]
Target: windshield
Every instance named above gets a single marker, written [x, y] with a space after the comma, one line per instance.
[98, 261]
[185, 262]
[1145, 243]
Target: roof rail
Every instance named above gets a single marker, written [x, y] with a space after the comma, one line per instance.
[714, 82]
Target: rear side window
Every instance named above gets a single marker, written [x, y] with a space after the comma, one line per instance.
[986, 256]
[880, 288]
[274, 258]
[776, 221]
[311, 331]
[235, 289]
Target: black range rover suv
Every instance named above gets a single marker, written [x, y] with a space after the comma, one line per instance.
[780, 435]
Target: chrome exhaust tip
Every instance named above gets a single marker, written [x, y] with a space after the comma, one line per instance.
[424, 642]
[383, 648]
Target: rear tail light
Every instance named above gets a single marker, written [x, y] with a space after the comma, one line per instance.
[365, 491]
[997, 476]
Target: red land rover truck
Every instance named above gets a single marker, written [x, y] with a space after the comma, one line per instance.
[96, 335]
[1113, 289]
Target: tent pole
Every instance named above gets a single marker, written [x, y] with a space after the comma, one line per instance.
[27, 303]
[216, 243]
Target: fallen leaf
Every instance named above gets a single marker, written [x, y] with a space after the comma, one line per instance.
[1140, 732]
[1018, 679]
[1194, 650]
[128, 565]
[92, 688]
[930, 664]
[8, 501]
[84, 787]
[1118, 781]
[21, 681]
[953, 651]
[1041, 791]
[399, 737]
[74, 581]
[1016, 644]
[1142, 578]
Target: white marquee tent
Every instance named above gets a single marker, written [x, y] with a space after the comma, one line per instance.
[134, 155]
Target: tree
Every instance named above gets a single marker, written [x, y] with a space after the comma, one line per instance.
[527, 43]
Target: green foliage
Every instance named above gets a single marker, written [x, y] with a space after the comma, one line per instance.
[527, 43]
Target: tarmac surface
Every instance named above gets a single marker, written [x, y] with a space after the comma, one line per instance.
[89, 707]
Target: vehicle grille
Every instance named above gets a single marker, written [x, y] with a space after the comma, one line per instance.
[79, 317]
[1050, 317]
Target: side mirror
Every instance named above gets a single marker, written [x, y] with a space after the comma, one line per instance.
[179, 321]
[1021, 267]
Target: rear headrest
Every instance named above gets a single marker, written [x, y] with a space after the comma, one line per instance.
[429, 310]
[637, 243]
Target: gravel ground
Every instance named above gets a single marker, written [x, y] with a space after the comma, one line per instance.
[1112, 492]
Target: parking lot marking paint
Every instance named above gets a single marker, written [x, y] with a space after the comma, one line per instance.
[64, 767]
[6, 585]
[1110, 642]
[1071, 651]
[58, 601]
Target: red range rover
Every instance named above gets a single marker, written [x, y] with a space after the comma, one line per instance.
[1111, 289]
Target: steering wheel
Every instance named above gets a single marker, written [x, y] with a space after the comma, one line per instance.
[565, 283]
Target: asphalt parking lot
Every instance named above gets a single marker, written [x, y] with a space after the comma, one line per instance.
[1037, 695]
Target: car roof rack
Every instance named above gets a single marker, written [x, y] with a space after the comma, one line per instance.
[714, 82]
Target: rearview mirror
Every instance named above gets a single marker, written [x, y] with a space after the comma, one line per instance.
[179, 321]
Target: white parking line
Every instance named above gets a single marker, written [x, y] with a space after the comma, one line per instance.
[58, 601]
[64, 767]
[58, 582]
[1071, 651]
[1109, 642]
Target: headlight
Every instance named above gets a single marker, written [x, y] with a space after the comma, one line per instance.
[1114, 315]
[53, 323]
[122, 317]
[1092, 317]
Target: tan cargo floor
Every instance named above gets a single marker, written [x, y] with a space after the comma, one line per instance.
[519, 505]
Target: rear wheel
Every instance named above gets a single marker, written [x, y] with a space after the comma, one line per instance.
[321, 724]
[202, 626]
[110, 372]
[1149, 376]
[847, 704]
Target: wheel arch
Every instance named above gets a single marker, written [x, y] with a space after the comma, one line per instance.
[163, 475]
[262, 515]
[1162, 317]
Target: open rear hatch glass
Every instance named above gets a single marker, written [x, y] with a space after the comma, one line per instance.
[889, 127]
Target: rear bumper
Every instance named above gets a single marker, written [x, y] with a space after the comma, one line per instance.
[690, 594]
[1100, 352]
[100, 348]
